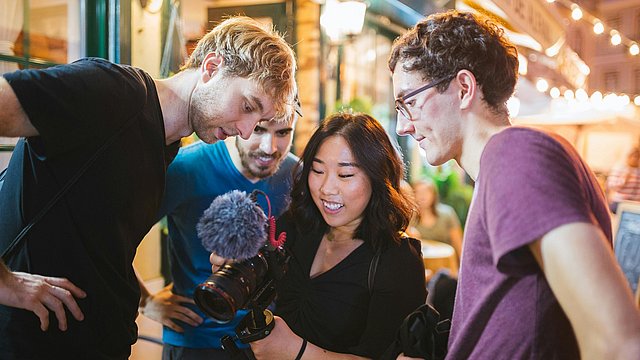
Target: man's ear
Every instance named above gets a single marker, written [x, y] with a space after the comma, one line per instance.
[212, 62]
[468, 88]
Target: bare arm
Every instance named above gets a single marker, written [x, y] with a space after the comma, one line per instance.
[14, 122]
[583, 274]
[40, 294]
[165, 307]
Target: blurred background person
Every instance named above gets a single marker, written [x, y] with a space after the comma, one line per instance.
[435, 220]
[623, 183]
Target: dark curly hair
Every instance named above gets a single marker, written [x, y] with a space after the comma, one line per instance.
[445, 43]
[388, 212]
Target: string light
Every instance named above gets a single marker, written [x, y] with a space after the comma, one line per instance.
[542, 85]
[616, 38]
[576, 12]
[598, 27]
[581, 95]
[568, 94]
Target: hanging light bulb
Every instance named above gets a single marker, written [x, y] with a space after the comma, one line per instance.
[554, 92]
[636, 100]
[596, 97]
[542, 85]
[634, 49]
[624, 99]
[581, 95]
[598, 27]
[551, 1]
[576, 12]
[616, 39]
[568, 94]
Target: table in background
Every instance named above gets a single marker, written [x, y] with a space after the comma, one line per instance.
[437, 255]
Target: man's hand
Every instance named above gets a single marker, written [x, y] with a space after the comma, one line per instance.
[165, 307]
[41, 294]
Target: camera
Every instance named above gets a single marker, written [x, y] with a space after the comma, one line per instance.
[246, 284]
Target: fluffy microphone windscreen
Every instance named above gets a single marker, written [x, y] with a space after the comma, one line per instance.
[234, 226]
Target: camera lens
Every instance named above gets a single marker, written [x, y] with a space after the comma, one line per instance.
[229, 289]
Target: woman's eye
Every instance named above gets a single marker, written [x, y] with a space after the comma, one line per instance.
[248, 108]
[345, 175]
[316, 171]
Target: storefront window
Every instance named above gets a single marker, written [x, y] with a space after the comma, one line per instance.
[33, 34]
[359, 78]
[38, 33]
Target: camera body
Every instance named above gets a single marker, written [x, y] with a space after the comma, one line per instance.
[246, 284]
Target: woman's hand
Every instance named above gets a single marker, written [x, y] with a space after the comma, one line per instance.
[217, 262]
[282, 343]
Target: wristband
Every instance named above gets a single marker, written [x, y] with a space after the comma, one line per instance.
[302, 349]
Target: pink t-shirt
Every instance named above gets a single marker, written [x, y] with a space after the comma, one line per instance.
[530, 183]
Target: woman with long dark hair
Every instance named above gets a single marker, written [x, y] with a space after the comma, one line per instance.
[353, 276]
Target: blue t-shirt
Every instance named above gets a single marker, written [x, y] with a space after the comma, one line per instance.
[199, 173]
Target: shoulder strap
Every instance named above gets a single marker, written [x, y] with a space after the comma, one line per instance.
[8, 252]
[376, 259]
[372, 271]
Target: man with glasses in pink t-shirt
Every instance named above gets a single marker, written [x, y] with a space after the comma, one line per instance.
[538, 278]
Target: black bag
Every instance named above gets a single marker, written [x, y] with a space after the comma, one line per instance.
[421, 335]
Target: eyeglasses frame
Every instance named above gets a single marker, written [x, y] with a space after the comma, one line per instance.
[401, 106]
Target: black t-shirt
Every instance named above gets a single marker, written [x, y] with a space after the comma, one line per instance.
[335, 310]
[90, 236]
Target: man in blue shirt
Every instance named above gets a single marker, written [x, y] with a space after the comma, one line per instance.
[199, 173]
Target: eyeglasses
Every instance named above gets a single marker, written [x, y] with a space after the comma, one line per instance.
[402, 107]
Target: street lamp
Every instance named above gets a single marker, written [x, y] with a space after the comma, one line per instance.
[342, 19]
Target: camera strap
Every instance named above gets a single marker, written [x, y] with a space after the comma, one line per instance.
[8, 252]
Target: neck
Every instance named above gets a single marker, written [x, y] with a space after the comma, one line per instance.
[175, 99]
[339, 235]
[427, 211]
[479, 129]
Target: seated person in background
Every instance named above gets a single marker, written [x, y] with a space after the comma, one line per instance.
[623, 183]
[346, 208]
[435, 220]
[200, 173]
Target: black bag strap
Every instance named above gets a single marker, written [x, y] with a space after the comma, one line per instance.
[8, 252]
[376, 259]
[372, 271]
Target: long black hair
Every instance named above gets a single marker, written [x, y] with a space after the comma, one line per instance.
[388, 212]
